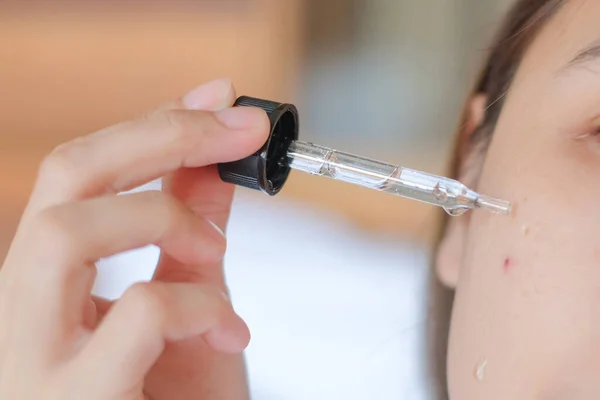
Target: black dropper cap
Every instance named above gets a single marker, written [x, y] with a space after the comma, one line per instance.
[267, 169]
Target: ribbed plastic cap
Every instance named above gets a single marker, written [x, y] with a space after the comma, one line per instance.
[267, 169]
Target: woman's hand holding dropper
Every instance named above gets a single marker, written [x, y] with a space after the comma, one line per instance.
[176, 337]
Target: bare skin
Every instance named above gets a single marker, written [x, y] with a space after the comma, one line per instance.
[175, 337]
[528, 286]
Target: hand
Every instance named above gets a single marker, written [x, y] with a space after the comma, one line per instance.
[176, 337]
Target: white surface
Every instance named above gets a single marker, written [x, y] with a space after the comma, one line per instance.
[334, 314]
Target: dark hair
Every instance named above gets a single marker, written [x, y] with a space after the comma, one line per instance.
[521, 26]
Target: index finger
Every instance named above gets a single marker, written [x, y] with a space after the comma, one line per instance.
[135, 152]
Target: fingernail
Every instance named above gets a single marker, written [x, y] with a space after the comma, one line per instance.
[225, 297]
[216, 227]
[209, 95]
[242, 117]
[233, 338]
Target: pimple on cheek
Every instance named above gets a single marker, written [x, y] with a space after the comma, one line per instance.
[508, 265]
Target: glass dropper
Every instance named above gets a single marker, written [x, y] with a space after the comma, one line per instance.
[447, 193]
[268, 169]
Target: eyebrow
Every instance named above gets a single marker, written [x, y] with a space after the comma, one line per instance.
[587, 55]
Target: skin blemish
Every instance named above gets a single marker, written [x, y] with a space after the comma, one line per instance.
[525, 230]
[508, 264]
[480, 370]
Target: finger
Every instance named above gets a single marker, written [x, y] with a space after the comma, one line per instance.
[144, 320]
[69, 238]
[90, 315]
[102, 306]
[201, 190]
[95, 311]
[135, 152]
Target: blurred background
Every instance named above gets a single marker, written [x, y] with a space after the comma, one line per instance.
[383, 78]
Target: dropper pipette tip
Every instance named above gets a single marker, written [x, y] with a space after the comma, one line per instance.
[494, 205]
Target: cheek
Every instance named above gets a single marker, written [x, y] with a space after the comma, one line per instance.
[529, 284]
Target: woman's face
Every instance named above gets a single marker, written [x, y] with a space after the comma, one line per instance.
[526, 319]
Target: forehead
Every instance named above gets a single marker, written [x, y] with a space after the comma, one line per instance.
[574, 28]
